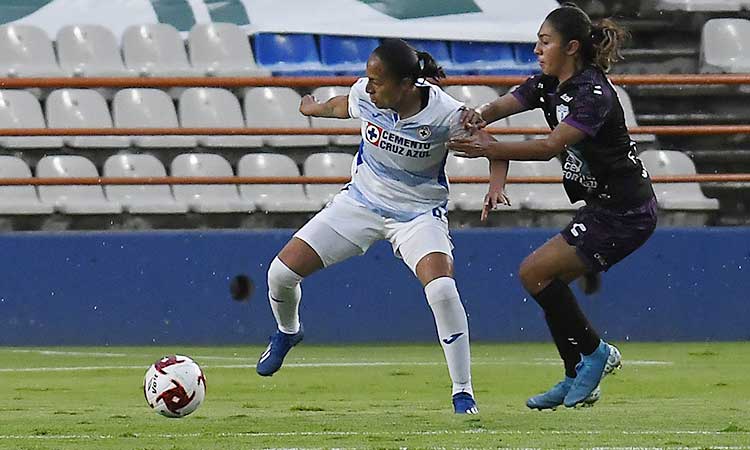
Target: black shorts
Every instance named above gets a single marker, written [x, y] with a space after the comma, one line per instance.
[602, 237]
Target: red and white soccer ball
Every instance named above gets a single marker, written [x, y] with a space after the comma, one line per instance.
[174, 386]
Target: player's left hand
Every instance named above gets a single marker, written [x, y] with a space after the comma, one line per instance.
[491, 201]
[474, 146]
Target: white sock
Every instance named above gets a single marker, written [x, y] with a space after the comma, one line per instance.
[453, 330]
[284, 294]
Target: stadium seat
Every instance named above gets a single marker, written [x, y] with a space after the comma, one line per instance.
[140, 199]
[326, 165]
[26, 51]
[525, 57]
[472, 96]
[630, 120]
[543, 197]
[82, 108]
[289, 54]
[278, 107]
[725, 46]
[273, 197]
[214, 198]
[148, 108]
[214, 107]
[698, 5]
[20, 109]
[676, 196]
[90, 51]
[73, 199]
[155, 50]
[488, 58]
[19, 199]
[322, 94]
[346, 55]
[533, 118]
[222, 50]
[470, 197]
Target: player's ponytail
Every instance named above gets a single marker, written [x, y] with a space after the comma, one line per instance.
[428, 67]
[600, 42]
[607, 38]
[402, 61]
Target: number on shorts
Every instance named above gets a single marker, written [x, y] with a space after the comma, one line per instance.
[577, 229]
[439, 212]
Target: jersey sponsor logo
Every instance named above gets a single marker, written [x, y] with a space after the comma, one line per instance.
[424, 132]
[562, 112]
[574, 170]
[373, 133]
[392, 142]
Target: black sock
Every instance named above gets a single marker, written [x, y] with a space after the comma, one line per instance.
[571, 331]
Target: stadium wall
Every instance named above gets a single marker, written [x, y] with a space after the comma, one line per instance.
[98, 288]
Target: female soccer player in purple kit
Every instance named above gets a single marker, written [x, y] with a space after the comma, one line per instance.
[600, 166]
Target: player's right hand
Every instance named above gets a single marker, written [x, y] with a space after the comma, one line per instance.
[307, 105]
[471, 119]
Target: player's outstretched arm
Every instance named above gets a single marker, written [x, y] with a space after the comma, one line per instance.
[336, 107]
[496, 192]
[497, 109]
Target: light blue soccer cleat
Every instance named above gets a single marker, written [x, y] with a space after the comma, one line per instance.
[605, 359]
[280, 343]
[463, 403]
[555, 396]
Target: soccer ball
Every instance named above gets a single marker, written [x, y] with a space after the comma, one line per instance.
[174, 386]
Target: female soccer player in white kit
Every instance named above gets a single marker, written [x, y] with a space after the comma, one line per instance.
[398, 192]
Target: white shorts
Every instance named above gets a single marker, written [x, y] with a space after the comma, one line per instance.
[346, 228]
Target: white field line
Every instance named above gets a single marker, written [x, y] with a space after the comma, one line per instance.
[393, 434]
[306, 365]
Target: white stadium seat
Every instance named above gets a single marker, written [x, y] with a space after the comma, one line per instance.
[214, 198]
[324, 93]
[472, 96]
[273, 197]
[326, 165]
[214, 107]
[19, 199]
[544, 197]
[73, 199]
[82, 108]
[528, 119]
[470, 197]
[222, 50]
[698, 5]
[278, 107]
[148, 108]
[90, 51]
[156, 50]
[26, 51]
[20, 109]
[630, 120]
[725, 46]
[676, 196]
[140, 199]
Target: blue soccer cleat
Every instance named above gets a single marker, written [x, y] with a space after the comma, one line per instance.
[553, 397]
[273, 357]
[605, 359]
[463, 403]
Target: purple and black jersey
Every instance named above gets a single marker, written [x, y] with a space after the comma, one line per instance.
[603, 168]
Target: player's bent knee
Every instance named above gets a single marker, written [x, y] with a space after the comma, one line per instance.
[281, 276]
[441, 289]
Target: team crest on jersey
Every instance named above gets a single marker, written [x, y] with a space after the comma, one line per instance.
[424, 132]
[562, 112]
[373, 133]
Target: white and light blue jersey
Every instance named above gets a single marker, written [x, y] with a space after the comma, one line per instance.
[400, 165]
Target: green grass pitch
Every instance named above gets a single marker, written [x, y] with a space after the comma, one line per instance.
[668, 395]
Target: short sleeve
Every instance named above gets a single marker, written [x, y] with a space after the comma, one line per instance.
[529, 92]
[356, 93]
[456, 130]
[589, 109]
